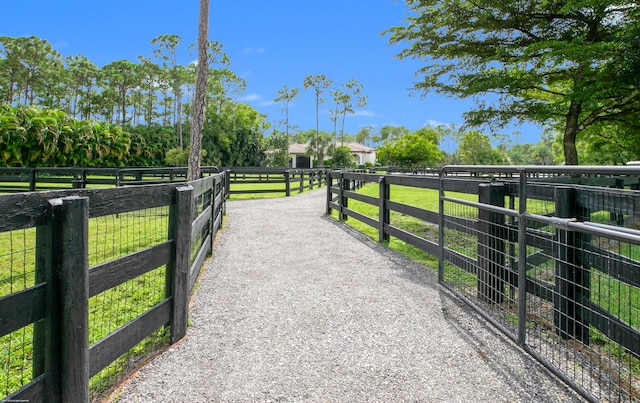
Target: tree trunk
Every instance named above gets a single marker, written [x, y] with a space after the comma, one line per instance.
[199, 103]
[570, 133]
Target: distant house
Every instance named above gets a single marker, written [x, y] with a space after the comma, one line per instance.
[298, 159]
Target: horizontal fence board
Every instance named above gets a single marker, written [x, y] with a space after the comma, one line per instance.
[617, 330]
[458, 259]
[361, 197]
[236, 181]
[361, 177]
[122, 200]
[537, 258]
[616, 201]
[424, 244]
[201, 222]
[256, 191]
[31, 392]
[111, 274]
[201, 186]
[537, 239]
[334, 205]
[122, 340]
[360, 217]
[217, 222]
[462, 185]
[416, 212]
[218, 200]
[464, 225]
[23, 210]
[617, 266]
[534, 191]
[198, 262]
[22, 308]
[422, 182]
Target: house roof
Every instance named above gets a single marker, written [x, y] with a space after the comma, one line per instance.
[359, 148]
[296, 148]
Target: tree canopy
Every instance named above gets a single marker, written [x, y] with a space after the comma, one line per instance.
[570, 64]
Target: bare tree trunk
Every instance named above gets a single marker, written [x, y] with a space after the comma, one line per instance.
[570, 134]
[199, 103]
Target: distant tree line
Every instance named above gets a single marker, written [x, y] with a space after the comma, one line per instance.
[146, 104]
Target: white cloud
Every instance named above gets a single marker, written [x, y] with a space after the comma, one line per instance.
[248, 51]
[251, 98]
[435, 123]
[365, 113]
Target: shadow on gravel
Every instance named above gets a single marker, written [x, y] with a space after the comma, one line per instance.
[529, 380]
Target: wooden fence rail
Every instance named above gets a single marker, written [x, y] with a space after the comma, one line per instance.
[57, 304]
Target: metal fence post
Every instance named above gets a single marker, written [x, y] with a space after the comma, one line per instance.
[572, 276]
[522, 258]
[384, 214]
[491, 244]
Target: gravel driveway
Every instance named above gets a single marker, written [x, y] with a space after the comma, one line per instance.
[296, 307]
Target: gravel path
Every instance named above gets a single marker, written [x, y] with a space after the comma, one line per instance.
[295, 307]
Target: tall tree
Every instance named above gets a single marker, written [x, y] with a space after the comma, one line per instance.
[286, 95]
[200, 99]
[364, 135]
[167, 52]
[344, 98]
[319, 83]
[121, 77]
[83, 76]
[223, 83]
[549, 62]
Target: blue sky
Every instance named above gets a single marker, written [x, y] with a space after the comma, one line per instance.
[271, 43]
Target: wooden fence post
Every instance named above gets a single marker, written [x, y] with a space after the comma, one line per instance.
[301, 181]
[491, 244]
[46, 333]
[384, 213]
[572, 276]
[616, 217]
[178, 268]
[287, 183]
[345, 185]
[32, 179]
[227, 183]
[329, 194]
[67, 344]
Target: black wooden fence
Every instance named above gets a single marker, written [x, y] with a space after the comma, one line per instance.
[239, 181]
[574, 303]
[61, 272]
[275, 181]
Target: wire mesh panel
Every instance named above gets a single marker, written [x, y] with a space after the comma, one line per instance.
[479, 266]
[111, 237]
[586, 319]
[17, 273]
